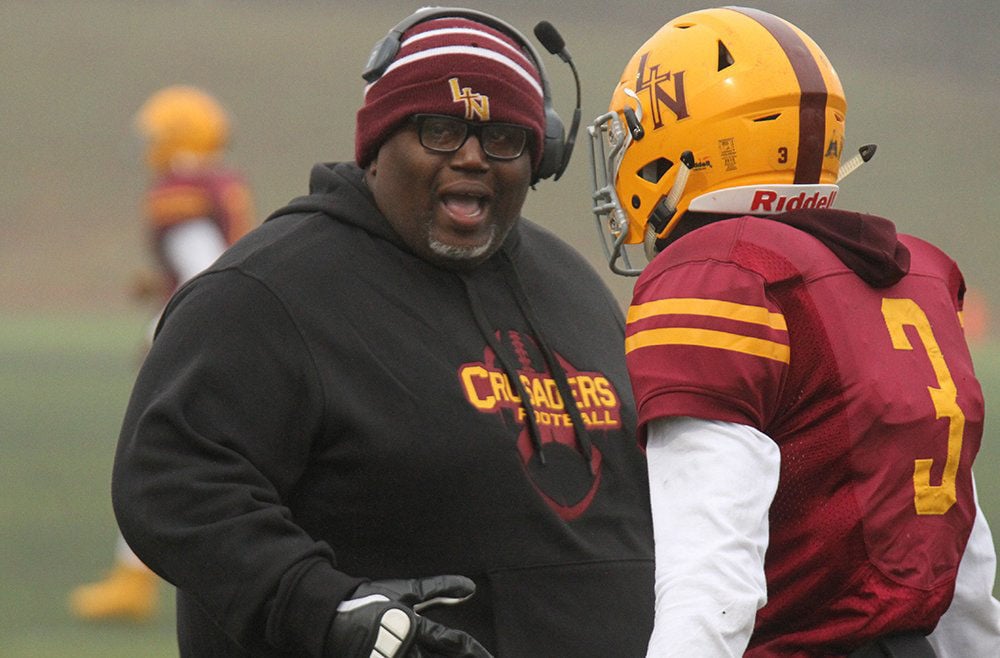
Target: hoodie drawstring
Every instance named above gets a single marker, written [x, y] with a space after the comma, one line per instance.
[508, 365]
[510, 368]
[555, 367]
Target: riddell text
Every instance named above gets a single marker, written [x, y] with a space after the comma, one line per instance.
[770, 201]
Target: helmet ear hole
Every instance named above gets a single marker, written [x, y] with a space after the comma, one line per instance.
[725, 57]
[654, 170]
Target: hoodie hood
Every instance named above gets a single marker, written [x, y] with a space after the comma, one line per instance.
[339, 191]
[866, 244]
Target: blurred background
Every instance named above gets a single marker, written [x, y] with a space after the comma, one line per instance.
[921, 82]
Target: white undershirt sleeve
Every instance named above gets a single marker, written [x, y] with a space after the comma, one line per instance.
[971, 625]
[711, 486]
[192, 246]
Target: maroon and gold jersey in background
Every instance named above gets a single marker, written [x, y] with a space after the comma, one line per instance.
[219, 195]
[869, 393]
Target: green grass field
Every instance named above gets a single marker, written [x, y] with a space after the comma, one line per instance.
[64, 383]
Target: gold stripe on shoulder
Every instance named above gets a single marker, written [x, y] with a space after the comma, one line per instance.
[710, 338]
[715, 308]
[176, 204]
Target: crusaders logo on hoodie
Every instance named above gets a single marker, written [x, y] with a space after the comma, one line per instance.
[564, 470]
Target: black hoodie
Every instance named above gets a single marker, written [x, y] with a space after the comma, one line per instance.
[322, 406]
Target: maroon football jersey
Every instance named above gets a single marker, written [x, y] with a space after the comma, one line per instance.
[219, 195]
[869, 393]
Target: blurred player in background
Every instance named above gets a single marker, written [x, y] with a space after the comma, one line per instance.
[803, 383]
[195, 208]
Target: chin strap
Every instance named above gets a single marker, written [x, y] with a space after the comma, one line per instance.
[667, 207]
[864, 154]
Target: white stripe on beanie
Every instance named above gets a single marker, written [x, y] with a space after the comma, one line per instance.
[473, 51]
[446, 31]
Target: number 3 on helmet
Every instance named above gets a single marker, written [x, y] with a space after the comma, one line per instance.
[749, 95]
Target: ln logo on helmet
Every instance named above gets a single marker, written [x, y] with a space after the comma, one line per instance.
[771, 201]
[651, 79]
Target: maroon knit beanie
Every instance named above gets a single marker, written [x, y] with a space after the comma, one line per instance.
[457, 67]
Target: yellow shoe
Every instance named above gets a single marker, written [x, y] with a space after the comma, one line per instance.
[128, 593]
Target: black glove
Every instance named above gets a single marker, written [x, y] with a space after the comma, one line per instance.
[380, 620]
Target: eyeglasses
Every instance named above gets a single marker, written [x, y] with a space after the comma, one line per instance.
[446, 134]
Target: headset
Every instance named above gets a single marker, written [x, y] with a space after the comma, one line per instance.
[558, 148]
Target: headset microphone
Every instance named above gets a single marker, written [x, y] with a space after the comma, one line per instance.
[549, 37]
[552, 40]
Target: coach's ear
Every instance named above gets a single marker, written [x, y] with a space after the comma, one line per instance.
[370, 172]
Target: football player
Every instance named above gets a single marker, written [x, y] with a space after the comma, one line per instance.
[804, 387]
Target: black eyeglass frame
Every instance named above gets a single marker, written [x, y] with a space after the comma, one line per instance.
[472, 128]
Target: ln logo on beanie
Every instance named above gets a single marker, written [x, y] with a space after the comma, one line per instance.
[439, 64]
[476, 105]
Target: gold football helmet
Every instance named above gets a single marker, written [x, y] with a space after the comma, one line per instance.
[181, 122]
[727, 110]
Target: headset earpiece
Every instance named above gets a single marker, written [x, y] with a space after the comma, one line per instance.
[381, 56]
[554, 147]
